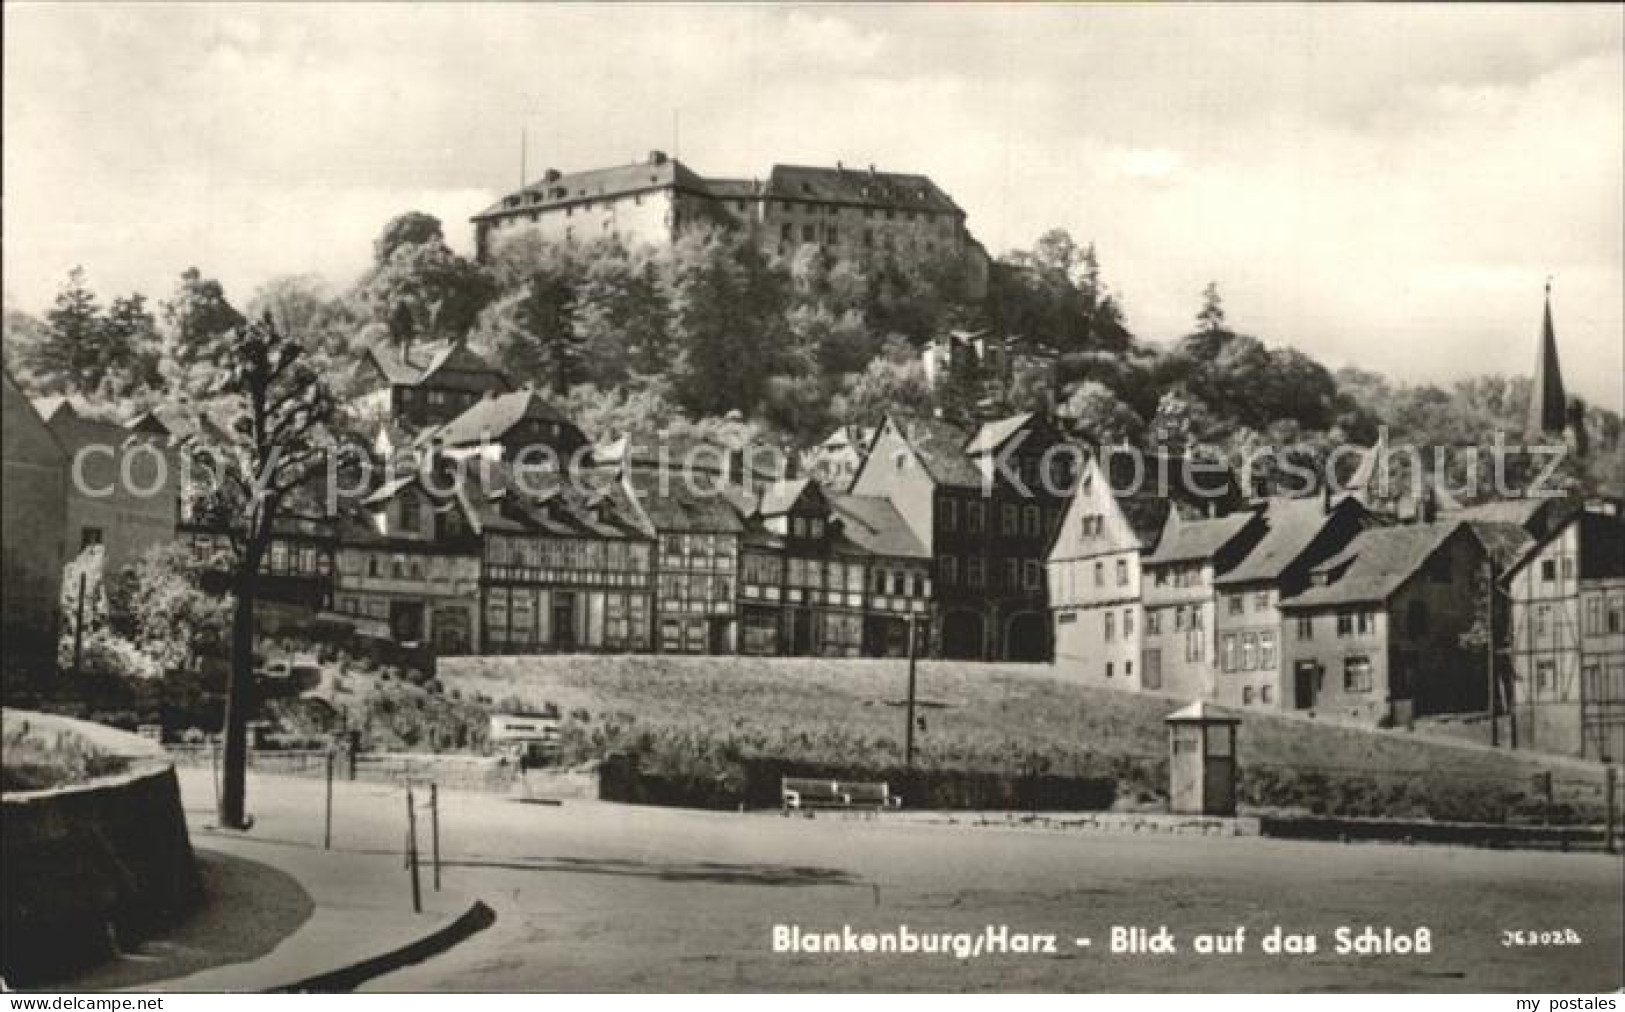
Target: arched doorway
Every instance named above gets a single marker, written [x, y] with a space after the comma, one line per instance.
[962, 634]
[1026, 637]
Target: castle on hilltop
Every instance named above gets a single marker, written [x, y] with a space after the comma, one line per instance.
[852, 214]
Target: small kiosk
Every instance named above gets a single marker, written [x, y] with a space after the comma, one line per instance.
[1201, 761]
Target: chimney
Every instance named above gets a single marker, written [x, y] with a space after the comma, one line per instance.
[657, 158]
[551, 176]
[839, 167]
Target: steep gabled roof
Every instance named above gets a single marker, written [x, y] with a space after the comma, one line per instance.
[993, 435]
[21, 418]
[184, 421]
[858, 437]
[674, 504]
[546, 503]
[940, 448]
[1376, 563]
[874, 525]
[452, 365]
[1290, 527]
[1194, 540]
[494, 417]
[782, 496]
[1602, 545]
[1505, 542]
[48, 407]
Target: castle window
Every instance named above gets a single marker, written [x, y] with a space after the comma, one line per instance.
[809, 233]
[787, 231]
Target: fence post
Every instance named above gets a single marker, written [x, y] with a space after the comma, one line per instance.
[1610, 811]
[412, 851]
[434, 831]
[327, 822]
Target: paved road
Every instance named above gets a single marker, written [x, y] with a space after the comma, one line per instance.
[592, 896]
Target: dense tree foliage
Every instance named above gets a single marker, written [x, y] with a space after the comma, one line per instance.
[643, 337]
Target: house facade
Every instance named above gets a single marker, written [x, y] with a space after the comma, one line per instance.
[1180, 637]
[978, 506]
[819, 609]
[123, 486]
[1376, 637]
[898, 590]
[1117, 514]
[33, 520]
[1294, 535]
[568, 571]
[687, 502]
[1567, 639]
[409, 558]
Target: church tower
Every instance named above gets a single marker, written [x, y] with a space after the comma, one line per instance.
[1548, 404]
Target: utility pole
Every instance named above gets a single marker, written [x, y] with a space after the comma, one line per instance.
[913, 652]
[79, 627]
[1489, 650]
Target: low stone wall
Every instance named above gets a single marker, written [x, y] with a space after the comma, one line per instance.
[91, 867]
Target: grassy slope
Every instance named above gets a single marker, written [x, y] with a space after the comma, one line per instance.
[687, 712]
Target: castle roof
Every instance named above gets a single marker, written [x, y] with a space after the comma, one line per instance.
[557, 189]
[906, 191]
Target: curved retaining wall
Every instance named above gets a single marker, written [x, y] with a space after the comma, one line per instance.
[90, 867]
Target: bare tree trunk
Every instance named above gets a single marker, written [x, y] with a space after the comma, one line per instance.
[239, 705]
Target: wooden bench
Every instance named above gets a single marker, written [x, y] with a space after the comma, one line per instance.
[805, 794]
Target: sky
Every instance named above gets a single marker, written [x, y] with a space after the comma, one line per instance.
[1382, 186]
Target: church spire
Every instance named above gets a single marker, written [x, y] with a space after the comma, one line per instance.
[1548, 404]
